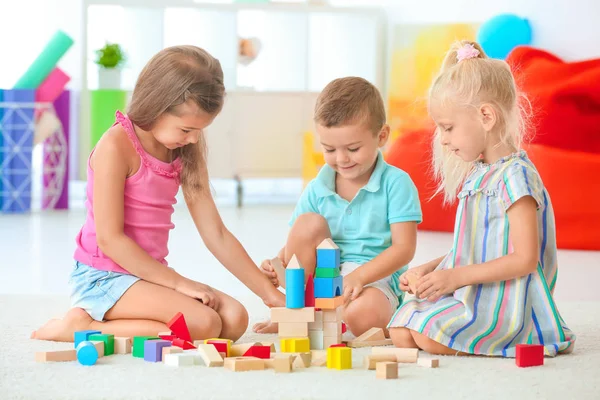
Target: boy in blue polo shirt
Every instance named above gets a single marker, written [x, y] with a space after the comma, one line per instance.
[369, 208]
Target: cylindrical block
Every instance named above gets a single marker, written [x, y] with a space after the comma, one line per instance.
[87, 354]
[294, 290]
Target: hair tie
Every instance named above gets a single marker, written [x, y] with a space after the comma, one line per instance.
[466, 51]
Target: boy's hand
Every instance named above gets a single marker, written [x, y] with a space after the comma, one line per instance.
[267, 269]
[353, 286]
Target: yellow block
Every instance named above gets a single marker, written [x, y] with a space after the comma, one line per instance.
[295, 345]
[339, 358]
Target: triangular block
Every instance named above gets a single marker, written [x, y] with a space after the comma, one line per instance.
[178, 326]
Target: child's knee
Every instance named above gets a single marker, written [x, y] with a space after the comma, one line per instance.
[359, 317]
[311, 225]
[235, 321]
[401, 337]
[205, 324]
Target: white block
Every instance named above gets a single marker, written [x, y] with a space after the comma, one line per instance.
[179, 360]
[318, 324]
[316, 340]
[198, 360]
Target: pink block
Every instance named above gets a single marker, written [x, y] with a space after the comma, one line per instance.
[52, 86]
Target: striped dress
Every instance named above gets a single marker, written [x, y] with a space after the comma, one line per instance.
[491, 319]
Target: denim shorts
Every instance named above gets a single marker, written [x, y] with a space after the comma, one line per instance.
[97, 291]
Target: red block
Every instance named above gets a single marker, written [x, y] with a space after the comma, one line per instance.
[259, 352]
[220, 346]
[344, 329]
[339, 345]
[178, 326]
[170, 338]
[184, 344]
[309, 292]
[529, 355]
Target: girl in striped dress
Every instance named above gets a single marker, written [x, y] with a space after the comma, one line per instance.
[493, 289]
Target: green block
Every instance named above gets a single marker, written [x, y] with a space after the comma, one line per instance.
[109, 342]
[138, 345]
[327, 272]
[103, 105]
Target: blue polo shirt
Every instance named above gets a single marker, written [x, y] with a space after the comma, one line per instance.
[361, 227]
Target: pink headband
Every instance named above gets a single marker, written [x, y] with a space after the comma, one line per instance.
[466, 51]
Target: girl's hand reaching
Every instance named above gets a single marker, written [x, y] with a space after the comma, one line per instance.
[409, 279]
[199, 291]
[437, 283]
[267, 268]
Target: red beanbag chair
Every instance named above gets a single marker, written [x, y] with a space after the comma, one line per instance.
[565, 98]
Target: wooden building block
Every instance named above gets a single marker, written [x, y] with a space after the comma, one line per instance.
[294, 315]
[327, 288]
[81, 336]
[339, 358]
[55, 356]
[317, 324]
[295, 345]
[294, 280]
[153, 349]
[279, 270]
[370, 361]
[122, 345]
[170, 350]
[372, 334]
[332, 328]
[327, 272]
[328, 254]
[402, 355]
[282, 363]
[270, 344]
[166, 333]
[309, 292]
[329, 304]
[292, 329]
[263, 352]
[241, 364]
[178, 326]
[109, 342]
[387, 370]
[179, 359]
[218, 343]
[329, 341]
[138, 345]
[198, 359]
[238, 350]
[99, 347]
[529, 355]
[429, 362]
[316, 340]
[210, 355]
[333, 315]
[87, 353]
[412, 281]
[302, 360]
[184, 344]
[318, 358]
[355, 344]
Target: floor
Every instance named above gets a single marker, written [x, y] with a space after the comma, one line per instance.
[36, 251]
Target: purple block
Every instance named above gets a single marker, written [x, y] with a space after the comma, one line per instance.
[153, 349]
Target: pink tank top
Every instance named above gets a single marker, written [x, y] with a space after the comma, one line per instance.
[149, 198]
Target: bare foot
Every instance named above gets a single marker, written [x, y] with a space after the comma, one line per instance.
[62, 330]
[265, 327]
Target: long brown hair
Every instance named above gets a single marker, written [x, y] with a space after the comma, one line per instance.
[172, 77]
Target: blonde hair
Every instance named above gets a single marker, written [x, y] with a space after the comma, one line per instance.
[172, 77]
[473, 82]
[350, 100]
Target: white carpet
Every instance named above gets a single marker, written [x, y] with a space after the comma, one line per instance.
[575, 376]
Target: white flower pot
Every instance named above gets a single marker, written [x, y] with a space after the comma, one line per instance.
[109, 78]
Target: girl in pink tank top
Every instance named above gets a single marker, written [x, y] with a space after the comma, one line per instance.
[121, 283]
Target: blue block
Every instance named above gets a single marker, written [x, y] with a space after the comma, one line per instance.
[328, 258]
[82, 336]
[87, 354]
[17, 130]
[328, 288]
[153, 349]
[294, 287]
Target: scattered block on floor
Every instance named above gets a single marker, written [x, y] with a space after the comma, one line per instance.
[329, 304]
[210, 355]
[198, 359]
[166, 333]
[329, 341]
[170, 338]
[295, 345]
[339, 358]
[222, 345]
[179, 328]
[302, 360]
[122, 345]
[242, 364]
[328, 287]
[99, 347]
[318, 358]
[138, 345]
[328, 254]
[109, 342]
[81, 336]
[356, 345]
[270, 344]
[179, 360]
[316, 339]
[87, 354]
[153, 349]
[317, 324]
[292, 329]
[56, 356]
[529, 355]
[184, 344]
[402, 355]
[238, 350]
[428, 362]
[386, 370]
[170, 350]
[263, 352]
[370, 361]
[372, 334]
[281, 363]
[283, 314]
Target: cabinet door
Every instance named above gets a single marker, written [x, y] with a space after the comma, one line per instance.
[219, 141]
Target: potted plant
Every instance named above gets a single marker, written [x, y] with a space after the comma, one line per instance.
[110, 58]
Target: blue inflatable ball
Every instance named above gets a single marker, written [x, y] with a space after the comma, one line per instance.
[502, 33]
[87, 354]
